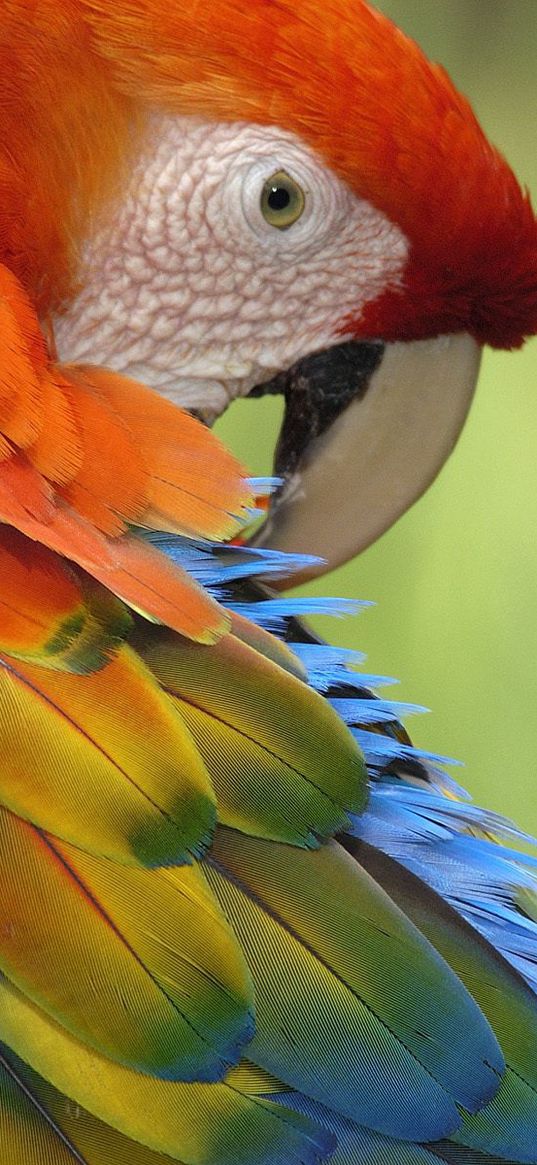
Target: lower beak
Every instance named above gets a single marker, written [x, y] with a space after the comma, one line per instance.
[363, 438]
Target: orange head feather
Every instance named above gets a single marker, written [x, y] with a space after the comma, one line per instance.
[65, 133]
[345, 79]
[339, 75]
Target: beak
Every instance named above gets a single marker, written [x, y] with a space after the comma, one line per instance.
[367, 428]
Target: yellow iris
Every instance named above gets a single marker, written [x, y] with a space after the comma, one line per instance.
[282, 200]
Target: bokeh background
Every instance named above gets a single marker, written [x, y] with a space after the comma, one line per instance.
[456, 579]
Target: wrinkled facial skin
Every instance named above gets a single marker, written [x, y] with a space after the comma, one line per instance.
[188, 288]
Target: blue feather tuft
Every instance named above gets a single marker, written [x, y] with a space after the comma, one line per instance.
[368, 711]
[215, 566]
[382, 750]
[272, 614]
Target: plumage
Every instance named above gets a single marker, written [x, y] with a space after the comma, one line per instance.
[307, 922]
[26, 1131]
[243, 921]
[95, 760]
[508, 1123]
[63, 440]
[196, 1123]
[252, 723]
[52, 615]
[139, 996]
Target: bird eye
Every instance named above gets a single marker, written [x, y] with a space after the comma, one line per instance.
[282, 201]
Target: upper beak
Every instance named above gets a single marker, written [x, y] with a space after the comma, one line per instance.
[367, 428]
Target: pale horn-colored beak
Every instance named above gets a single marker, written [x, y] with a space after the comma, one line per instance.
[378, 455]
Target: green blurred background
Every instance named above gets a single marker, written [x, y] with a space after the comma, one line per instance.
[456, 579]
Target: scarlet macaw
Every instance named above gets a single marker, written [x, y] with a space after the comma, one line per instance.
[214, 200]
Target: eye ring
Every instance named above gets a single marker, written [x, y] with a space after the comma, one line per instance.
[282, 200]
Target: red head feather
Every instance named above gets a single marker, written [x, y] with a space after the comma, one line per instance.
[338, 74]
[360, 92]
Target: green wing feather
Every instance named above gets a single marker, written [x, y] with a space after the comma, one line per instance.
[318, 934]
[282, 763]
[138, 964]
[103, 761]
[196, 1124]
[508, 1124]
[29, 1134]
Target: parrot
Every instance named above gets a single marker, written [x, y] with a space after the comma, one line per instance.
[243, 920]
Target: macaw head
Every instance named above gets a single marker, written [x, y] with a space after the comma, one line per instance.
[279, 196]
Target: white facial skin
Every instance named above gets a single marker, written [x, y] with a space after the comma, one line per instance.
[189, 289]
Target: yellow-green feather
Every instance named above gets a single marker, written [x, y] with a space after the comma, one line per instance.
[195, 1124]
[103, 761]
[139, 964]
[336, 966]
[282, 763]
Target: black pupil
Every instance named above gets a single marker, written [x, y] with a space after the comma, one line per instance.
[279, 198]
